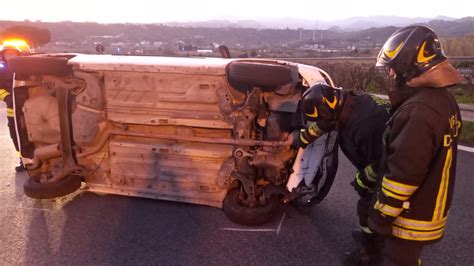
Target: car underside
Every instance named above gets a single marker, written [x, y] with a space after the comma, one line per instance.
[196, 130]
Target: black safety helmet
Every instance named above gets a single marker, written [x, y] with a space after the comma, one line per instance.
[411, 51]
[321, 104]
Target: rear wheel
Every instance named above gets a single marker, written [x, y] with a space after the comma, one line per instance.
[63, 187]
[244, 215]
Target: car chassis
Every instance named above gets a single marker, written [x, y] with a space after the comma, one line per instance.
[209, 131]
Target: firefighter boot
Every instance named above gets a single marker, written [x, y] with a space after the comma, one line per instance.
[369, 253]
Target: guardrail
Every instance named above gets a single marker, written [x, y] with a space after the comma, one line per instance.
[372, 59]
[467, 110]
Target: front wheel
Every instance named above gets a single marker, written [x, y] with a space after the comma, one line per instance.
[31, 65]
[244, 215]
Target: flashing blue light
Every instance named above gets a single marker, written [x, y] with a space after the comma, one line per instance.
[2, 65]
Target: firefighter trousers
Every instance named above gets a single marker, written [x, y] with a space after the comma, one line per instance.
[12, 129]
[401, 252]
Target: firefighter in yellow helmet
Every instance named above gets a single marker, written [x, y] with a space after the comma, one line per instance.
[6, 80]
[418, 167]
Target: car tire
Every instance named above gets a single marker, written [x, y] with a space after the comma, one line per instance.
[246, 215]
[63, 187]
[30, 65]
[258, 74]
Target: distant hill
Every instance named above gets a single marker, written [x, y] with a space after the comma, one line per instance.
[454, 28]
[247, 34]
[348, 24]
[361, 23]
[218, 24]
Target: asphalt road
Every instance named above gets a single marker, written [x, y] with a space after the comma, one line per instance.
[92, 229]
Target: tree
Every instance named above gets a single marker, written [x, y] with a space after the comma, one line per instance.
[459, 46]
[33, 35]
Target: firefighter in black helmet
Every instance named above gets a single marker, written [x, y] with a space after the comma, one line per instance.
[418, 167]
[6, 79]
[360, 120]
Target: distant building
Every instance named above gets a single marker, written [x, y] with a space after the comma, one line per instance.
[204, 51]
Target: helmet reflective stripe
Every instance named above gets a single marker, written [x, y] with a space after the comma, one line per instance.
[332, 104]
[394, 52]
[314, 114]
[320, 104]
[421, 55]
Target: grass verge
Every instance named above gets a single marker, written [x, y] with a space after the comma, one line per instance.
[467, 133]
[463, 95]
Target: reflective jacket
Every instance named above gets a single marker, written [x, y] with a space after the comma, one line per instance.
[360, 127]
[419, 166]
[6, 79]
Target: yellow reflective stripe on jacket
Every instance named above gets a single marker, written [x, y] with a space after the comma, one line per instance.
[313, 131]
[399, 188]
[387, 209]
[416, 235]
[10, 112]
[303, 139]
[419, 225]
[3, 93]
[443, 187]
[359, 182]
[370, 173]
[393, 195]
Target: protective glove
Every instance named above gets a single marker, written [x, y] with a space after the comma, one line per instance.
[378, 221]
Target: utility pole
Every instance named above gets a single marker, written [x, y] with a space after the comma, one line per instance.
[314, 31]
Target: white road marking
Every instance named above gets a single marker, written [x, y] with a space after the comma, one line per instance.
[26, 208]
[277, 230]
[465, 148]
[281, 221]
[249, 230]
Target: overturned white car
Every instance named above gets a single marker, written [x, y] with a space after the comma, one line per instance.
[207, 131]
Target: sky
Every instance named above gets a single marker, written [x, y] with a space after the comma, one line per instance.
[155, 11]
